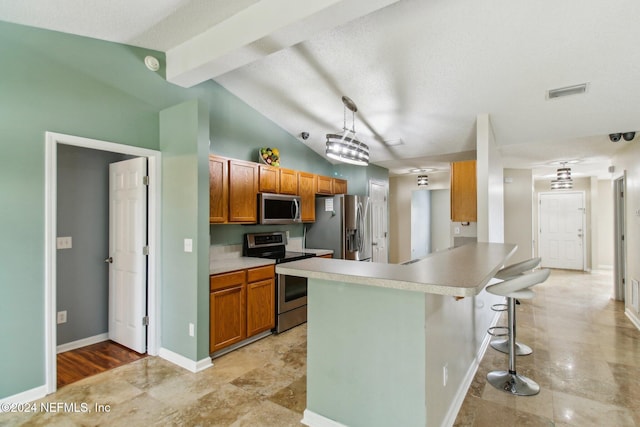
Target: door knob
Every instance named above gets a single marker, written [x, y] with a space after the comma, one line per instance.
[109, 260]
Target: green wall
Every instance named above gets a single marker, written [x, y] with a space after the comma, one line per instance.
[51, 81]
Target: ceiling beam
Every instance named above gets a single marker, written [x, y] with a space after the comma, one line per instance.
[257, 31]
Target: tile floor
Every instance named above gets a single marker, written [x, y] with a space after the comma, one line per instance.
[586, 359]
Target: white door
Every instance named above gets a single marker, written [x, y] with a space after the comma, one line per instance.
[378, 201]
[562, 219]
[128, 264]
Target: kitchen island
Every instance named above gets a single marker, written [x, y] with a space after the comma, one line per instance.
[396, 344]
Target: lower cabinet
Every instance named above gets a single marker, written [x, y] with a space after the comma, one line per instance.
[241, 305]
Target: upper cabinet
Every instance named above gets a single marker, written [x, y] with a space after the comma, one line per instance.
[324, 184]
[463, 192]
[339, 186]
[288, 181]
[307, 192]
[218, 189]
[243, 191]
[269, 179]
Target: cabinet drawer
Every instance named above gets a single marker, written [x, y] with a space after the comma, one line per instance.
[260, 273]
[225, 280]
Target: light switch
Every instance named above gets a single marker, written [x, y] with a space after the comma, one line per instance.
[188, 245]
[64, 243]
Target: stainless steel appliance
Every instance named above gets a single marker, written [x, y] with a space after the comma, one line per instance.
[343, 224]
[291, 291]
[278, 209]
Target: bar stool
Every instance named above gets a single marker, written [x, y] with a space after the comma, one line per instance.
[518, 287]
[514, 270]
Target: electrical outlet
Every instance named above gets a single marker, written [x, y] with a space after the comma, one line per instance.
[62, 317]
[64, 242]
[192, 329]
[188, 245]
[456, 230]
[445, 374]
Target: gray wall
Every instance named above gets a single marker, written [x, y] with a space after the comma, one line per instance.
[83, 213]
[518, 212]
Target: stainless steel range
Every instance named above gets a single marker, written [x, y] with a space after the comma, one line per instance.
[291, 291]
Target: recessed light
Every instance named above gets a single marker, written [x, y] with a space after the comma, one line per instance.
[566, 91]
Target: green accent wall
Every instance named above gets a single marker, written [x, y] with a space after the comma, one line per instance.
[56, 82]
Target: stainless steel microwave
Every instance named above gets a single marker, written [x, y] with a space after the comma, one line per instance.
[278, 209]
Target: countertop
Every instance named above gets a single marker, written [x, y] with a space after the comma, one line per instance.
[461, 271]
[225, 264]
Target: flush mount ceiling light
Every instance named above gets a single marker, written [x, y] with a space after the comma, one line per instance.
[566, 91]
[421, 170]
[563, 179]
[423, 180]
[343, 147]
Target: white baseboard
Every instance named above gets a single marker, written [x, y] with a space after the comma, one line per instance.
[632, 316]
[458, 399]
[312, 419]
[605, 267]
[26, 396]
[184, 362]
[82, 343]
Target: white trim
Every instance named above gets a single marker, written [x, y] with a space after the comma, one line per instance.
[312, 419]
[153, 296]
[184, 362]
[82, 342]
[26, 396]
[632, 316]
[605, 267]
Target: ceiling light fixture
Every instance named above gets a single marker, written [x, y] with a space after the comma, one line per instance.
[346, 148]
[566, 91]
[420, 170]
[563, 179]
[423, 180]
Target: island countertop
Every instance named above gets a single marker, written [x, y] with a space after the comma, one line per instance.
[461, 271]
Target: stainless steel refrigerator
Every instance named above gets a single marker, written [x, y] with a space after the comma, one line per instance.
[343, 224]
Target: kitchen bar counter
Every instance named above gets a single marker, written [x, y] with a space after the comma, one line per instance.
[461, 271]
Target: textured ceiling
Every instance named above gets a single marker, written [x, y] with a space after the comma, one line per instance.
[419, 70]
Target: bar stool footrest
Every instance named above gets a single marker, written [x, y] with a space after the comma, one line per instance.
[493, 331]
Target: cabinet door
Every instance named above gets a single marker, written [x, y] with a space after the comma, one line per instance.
[288, 181]
[324, 185]
[261, 310]
[463, 191]
[243, 191]
[269, 179]
[307, 192]
[218, 189]
[227, 317]
[339, 186]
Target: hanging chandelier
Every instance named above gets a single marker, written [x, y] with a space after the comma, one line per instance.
[423, 180]
[563, 179]
[345, 147]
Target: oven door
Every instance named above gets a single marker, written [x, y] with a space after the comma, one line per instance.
[292, 292]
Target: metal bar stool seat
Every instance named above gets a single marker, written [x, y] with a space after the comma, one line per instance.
[509, 272]
[510, 381]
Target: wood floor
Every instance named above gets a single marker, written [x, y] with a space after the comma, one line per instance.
[80, 363]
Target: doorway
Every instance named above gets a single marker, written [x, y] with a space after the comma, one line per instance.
[52, 142]
[562, 230]
[379, 223]
[619, 269]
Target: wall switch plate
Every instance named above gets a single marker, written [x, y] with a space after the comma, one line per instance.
[188, 245]
[192, 329]
[61, 317]
[64, 243]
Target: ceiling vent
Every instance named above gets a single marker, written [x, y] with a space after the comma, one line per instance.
[566, 91]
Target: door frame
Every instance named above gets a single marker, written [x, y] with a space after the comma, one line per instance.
[52, 140]
[584, 222]
[620, 230]
[385, 185]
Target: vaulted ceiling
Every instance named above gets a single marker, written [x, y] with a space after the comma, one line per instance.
[419, 70]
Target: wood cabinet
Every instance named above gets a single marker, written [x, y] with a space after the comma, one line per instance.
[288, 181]
[339, 186]
[325, 256]
[243, 191]
[261, 310]
[324, 184]
[241, 304]
[227, 310]
[218, 189]
[463, 191]
[269, 179]
[307, 192]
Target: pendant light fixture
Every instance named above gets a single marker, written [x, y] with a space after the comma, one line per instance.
[345, 147]
[563, 179]
[423, 180]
